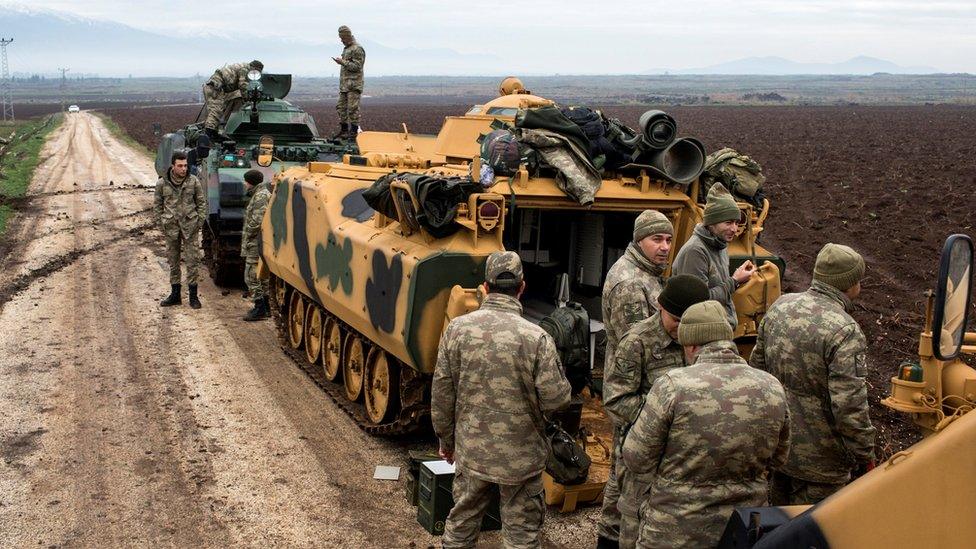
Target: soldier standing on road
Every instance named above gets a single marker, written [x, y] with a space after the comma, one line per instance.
[496, 377]
[630, 296]
[707, 434]
[350, 84]
[223, 92]
[259, 193]
[647, 351]
[810, 342]
[180, 208]
[706, 254]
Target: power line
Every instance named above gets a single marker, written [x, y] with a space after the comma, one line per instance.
[6, 94]
[64, 84]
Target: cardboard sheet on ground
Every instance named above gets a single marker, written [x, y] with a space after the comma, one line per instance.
[386, 472]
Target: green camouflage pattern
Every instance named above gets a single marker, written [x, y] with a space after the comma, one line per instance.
[817, 350]
[522, 509]
[258, 198]
[351, 69]
[496, 377]
[500, 263]
[708, 433]
[231, 77]
[347, 107]
[180, 209]
[256, 287]
[786, 490]
[222, 92]
[575, 175]
[706, 256]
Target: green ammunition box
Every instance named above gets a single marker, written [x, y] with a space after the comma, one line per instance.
[434, 499]
[413, 472]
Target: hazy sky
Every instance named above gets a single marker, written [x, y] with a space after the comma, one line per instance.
[624, 36]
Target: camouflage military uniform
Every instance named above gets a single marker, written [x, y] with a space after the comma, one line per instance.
[260, 195]
[629, 296]
[707, 433]
[810, 343]
[707, 256]
[223, 92]
[180, 208]
[351, 83]
[644, 354]
[496, 375]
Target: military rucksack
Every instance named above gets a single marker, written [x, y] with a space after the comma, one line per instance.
[568, 463]
[569, 327]
[500, 151]
[740, 174]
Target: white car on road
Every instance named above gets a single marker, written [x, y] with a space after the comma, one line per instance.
[74, 108]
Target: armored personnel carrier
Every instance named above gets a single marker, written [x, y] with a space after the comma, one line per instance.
[268, 134]
[361, 297]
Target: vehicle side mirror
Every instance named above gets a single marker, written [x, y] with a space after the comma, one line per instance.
[953, 296]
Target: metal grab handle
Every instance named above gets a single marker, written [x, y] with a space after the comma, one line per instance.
[895, 459]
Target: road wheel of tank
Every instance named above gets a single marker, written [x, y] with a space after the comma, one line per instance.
[296, 320]
[313, 333]
[332, 350]
[382, 390]
[353, 362]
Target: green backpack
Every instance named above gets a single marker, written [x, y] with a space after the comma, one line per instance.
[739, 173]
[569, 327]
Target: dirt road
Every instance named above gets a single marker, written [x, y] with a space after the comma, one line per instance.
[125, 424]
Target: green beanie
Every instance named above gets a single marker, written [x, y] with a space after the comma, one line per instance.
[651, 222]
[703, 323]
[720, 206]
[681, 292]
[839, 266]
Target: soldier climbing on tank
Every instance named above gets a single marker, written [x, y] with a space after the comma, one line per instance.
[350, 84]
[223, 93]
[259, 194]
[180, 207]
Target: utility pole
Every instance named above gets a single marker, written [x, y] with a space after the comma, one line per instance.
[64, 85]
[6, 95]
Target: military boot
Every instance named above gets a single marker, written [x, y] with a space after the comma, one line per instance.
[260, 311]
[174, 297]
[353, 132]
[194, 300]
[343, 130]
[606, 543]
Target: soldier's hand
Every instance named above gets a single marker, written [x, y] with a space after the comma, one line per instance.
[744, 272]
[338, 60]
[446, 455]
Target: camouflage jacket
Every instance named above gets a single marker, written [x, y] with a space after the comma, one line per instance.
[179, 207]
[258, 203]
[497, 374]
[231, 78]
[629, 295]
[707, 256]
[709, 433]
[351, 71]
[813, 346]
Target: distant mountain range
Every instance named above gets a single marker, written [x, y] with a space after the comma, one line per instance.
[772, 65]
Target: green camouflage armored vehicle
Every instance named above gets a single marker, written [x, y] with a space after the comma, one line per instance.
[268, 134]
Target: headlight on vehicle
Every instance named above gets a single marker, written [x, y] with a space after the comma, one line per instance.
[254, 75]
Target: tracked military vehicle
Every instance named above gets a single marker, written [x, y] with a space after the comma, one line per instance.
[268, 134]
[361, 297]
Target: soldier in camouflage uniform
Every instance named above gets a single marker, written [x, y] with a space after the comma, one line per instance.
[707, 434]
[496, 377]
[223, 92]
[630, 296]
[647, 351]
[706, 254]
[259, 193]
[350, 83]
[810, 342]
[180, 207]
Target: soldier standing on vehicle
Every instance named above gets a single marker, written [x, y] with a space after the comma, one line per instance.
[630, 296]
[350, 84]
[647, 351]
[223, 93]
[259, 193]
[706, 254]
[707, 435]
[496, 377]
[810, 342]
[180, 208]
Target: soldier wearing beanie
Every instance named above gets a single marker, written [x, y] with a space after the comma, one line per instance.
[630, 296]
[810, 342]
[706, 436]
[259, 195]
[352, 61]
[647, 351]
[706, 254]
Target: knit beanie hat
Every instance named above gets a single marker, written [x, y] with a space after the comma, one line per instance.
[839, 266]
[254, 177]
[720, 206]
[651, 222]
[681, 292]
[703, 323]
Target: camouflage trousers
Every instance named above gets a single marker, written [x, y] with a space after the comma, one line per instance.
[189, 248]
[348, 106]
[609, 525]
[633, 490]
[218, 107]
[523, 509]
[787, 490]
[255, 286]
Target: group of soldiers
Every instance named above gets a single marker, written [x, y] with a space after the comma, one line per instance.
[698, 430]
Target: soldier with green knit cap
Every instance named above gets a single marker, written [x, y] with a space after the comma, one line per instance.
[706, 254]
[706, 436]
[629, 296]
[810, 342]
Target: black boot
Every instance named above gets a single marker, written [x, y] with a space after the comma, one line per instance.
[343, 130]
[260, 311]
[174, 297]
[194, 300]
[353, 132]
[606, 543]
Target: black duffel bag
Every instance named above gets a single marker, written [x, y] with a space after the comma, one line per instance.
[568, 462]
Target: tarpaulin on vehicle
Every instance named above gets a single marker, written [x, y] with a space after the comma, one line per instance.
[438, 198]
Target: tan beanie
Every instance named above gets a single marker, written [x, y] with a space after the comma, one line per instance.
[720, 206]
[703, 323]
[839, 266]
[651, 222]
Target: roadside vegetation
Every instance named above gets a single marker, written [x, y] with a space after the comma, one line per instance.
[20, 147]
[120, 134]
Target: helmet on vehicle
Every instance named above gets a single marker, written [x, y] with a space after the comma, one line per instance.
[511, 85]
